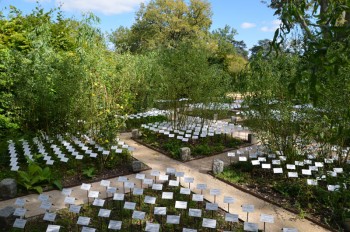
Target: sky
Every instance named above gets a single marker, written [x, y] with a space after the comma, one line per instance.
[252, 19]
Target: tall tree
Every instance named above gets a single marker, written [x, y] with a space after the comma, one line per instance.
[165, 22]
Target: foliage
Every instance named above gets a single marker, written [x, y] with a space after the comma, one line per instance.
[137, 122]
[36, 177]
[89, 172]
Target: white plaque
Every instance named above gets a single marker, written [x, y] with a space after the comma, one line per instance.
[148, 181]
[195, 213]
[85, 187]
[215, 192]
[160, 210]
[185, 191]
[158, 187]
[93, 194]
[98, 202]
[74, 208]
[105, 183]
[53, 228]
[137, 191]
[209, 223]
[201, 186]
[289, 230]
[115, 225]
[197, 197]
[174, 183]
[46, 205]
[277, 170]
[228, 200]
[242, 158]
[152, 227]
[306, 172]
[338, 170]
[173, 219]
[69, 200]
[43, 197]
[155, 173]
[189, 179]
[19, 223]
[231, 217]
[231, 154]
[104, 213]
[211, 206]
[179, 174]
[255, 162]
[111, 189]
[122, 179]
[311, 182]
[20, 212]
[84, 221]
[250, 226]
[49, 217]
[266, 166]
[276, 162]
[129, 184]
[333, 188]
[248, 208]
[150, 200]
[67, 191]
[138, 215]
[167, 195]
[170, 171]
[181, 205]
[291, 166]
[293, 174]
[267, 218]
[118, 197]
[88, 229]
[140, 176]
[163, 177]
[20, 202]
[129, 205]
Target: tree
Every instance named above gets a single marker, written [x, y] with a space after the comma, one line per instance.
[165, 23]
[263, 48]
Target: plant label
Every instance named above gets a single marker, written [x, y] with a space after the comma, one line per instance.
[248, 208]
[306, 172]
[83, 221]
[249, 226]
[150, 200]
[118, 197]
[93, 194]
[195, 213]
[157, 187]
[231, 217]
[174, 183]
[197, 197]
[105, 183]
[211, 206]
[49, 217]
[215, 192]
[189, 179]
[160, 210]
[74, 208]
[137, 191]
[53, 228]
[209, 223]
[20, 212]
[115, 225]
[228, 200]
[138, 215]
[173, 219]
[267, 218]
[19, 223]
[98, 202]
[293, 174]
[140, 176]
[69, 200]
[129, 205]
[277, 170]
[167, 195]
[179, 174]
[181, 205]
[185, 191]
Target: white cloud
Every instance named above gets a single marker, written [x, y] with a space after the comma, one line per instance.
[107, 7]
[38, 0]
[247, 25]
[272, 26]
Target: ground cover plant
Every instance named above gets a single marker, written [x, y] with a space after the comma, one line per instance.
[311, 186]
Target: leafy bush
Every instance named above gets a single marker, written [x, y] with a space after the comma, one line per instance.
[35, 178]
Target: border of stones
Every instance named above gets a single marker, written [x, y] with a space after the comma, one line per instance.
[196, 158]
[272, 202]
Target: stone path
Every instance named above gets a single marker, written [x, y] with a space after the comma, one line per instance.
[196, 169]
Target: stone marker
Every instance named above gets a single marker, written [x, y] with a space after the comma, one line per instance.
[8, 188]
[137, 166]
[185, 153]
[218, 166]
[6, 217]
[252, 139]
[135, 134]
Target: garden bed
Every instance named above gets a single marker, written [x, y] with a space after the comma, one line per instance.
[292, 195]
[200, 148]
